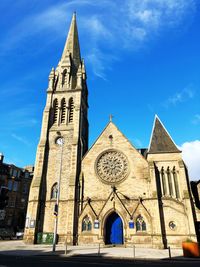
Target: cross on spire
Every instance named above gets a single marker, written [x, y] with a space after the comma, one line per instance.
[111, 117]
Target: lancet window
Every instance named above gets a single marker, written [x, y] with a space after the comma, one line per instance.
[86, 224]
[163, 180]
[169, 182]
[54, 191]
[140, 224]
[55, 111]
[169, 178]
[63, 111]
[174, 173]
[71, 110]
[64, 75]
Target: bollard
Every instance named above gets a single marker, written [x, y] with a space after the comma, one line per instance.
[99, 250]
[169, 249]
[134, 251]
[66, 248]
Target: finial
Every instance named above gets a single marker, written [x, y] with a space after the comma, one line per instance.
[110, 117]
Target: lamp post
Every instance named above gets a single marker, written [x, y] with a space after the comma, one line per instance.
[59, 142]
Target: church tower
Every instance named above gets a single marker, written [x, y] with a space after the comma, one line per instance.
[63, 142]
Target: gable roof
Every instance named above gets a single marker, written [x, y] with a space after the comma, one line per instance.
[161, 141]
[111, 124]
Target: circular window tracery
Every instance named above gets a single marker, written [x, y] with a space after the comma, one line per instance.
[112, 166]
[172, 225]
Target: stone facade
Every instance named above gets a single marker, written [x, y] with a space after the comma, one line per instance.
[168, 217]
[145, 193]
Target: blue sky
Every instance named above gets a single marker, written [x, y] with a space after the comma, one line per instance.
[142, 58]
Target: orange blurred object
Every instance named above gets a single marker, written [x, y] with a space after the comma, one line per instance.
[191, 249]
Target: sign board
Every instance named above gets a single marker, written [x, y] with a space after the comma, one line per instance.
[32, 223]
[27, 222]
[96, 224]
[131, 224]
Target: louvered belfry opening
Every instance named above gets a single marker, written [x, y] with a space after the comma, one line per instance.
[55, 110]
[71, 110]
[63, 111]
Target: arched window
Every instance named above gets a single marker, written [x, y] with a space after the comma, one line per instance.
[89, 226]
[64, 75]
[140, 224]
[54, 191]
[176, 183]
[164, 186]
[169, 178]
[55, 111]
[63, 111]
[71, 110]
[86, 224]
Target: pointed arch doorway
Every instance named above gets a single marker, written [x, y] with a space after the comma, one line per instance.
[114, 229]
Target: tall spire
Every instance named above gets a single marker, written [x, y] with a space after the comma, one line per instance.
[161, 141]
[72, 43]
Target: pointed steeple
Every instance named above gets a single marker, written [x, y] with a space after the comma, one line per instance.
[72, 44]
[161, 141]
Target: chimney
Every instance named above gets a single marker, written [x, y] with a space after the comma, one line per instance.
[1, 158]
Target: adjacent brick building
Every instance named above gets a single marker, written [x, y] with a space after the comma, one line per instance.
[195, 185]
[16, 181]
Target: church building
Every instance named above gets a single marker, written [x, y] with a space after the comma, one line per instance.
[112, 193]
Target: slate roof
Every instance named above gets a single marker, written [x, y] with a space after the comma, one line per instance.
[161, 141]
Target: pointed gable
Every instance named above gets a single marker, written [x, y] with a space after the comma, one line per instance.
[111, 137]
[72, 44]
[161, 141]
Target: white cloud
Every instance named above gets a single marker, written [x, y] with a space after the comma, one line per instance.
[196, 119]
[155, 15]
[128, 24]
[96, 27]
[20, 139]
[99, 62]
[179, 97]
[22, 117]
[191, 156]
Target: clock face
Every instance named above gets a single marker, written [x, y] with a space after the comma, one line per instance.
[60, 141]
[112, 166]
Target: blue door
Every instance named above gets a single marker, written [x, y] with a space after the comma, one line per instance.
[114, 229]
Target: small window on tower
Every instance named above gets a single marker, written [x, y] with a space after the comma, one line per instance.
[64, 76]
[54, 191]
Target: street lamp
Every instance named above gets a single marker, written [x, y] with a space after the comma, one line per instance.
[59, 142]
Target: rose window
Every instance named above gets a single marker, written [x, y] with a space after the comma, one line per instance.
[112, 166]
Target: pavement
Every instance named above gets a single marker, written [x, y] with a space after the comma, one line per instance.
[19, 248]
